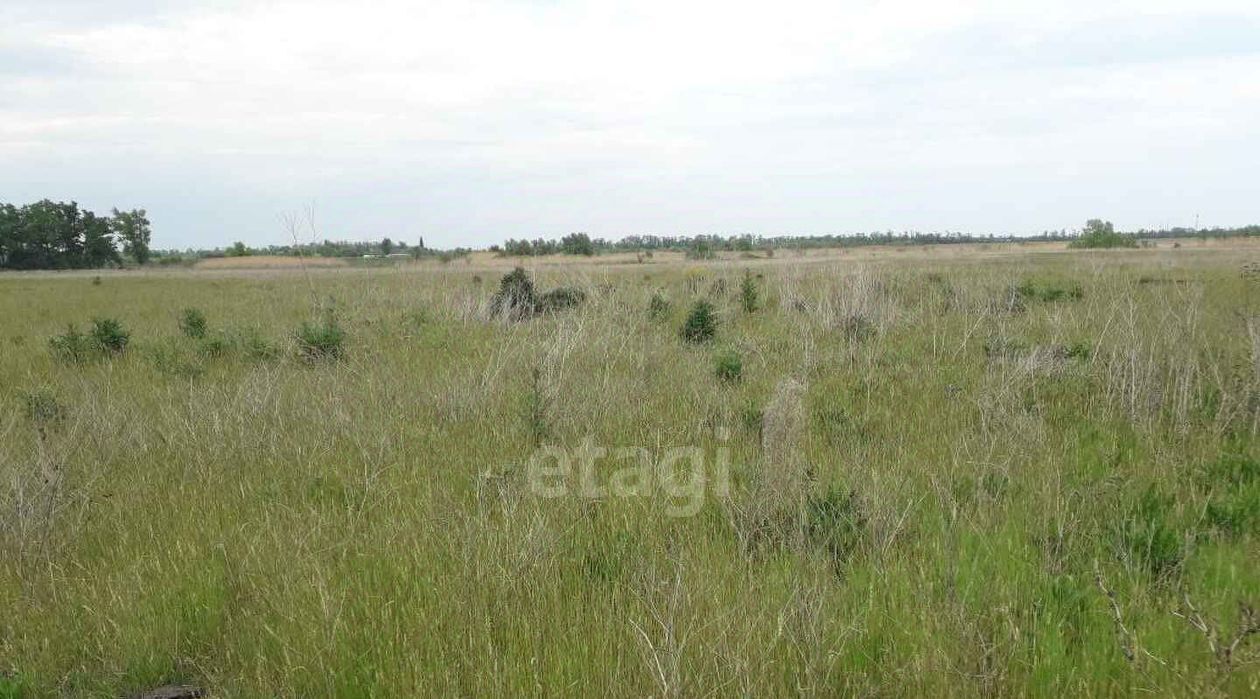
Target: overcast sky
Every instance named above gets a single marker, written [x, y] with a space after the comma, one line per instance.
[471, 122]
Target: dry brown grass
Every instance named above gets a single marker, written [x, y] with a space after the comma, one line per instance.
[268, 262]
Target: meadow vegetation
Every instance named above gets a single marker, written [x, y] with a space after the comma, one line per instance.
[1026, 474]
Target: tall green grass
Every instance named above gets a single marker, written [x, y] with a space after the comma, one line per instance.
[977, 491]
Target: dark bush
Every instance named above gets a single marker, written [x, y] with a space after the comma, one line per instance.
[1049, 292]
[701, 324]
[109, 335]
[561, 298]
[73, 346]
[192, 322]
[728, 366]
[321, 340]
[106, 337]
[658, 306]
[749, 297]
[516, 297]
[836, 523]
[1080, 350]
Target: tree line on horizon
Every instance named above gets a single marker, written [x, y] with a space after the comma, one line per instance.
[1096, 233]
[60, 235]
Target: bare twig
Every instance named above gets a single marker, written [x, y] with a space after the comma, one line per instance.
[1248, 625]
[1128, 641]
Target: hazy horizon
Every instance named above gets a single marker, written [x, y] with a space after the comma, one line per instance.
[471, 123]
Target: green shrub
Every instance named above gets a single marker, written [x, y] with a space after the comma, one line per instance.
[728, 366]
[321, 340]
[1148, 536]
[1080, 350]
[1049, 292]
[561, 298]
[1234, 514]
[109, 335]
[192, 322]
[516, 297]
[658, 306]
[701, 324]
[748, 294]
[836, 523]
[215, 346]
[73, 346]
[1232, 483]
[1101, 234]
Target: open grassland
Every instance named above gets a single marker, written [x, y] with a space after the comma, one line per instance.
[1017, 472]
[268, 262]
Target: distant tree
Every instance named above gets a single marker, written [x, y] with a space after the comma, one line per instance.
[700, 250]
[54, 235]
[421, 243]
[132, 228]
[9, 222]
[98, 241]
[387, 246]
[577, 244]
[1099, 227]
[1101, 234]
[238, 249]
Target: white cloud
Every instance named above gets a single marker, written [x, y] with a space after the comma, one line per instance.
[470, 122]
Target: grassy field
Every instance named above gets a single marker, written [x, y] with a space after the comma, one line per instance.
[996, 471]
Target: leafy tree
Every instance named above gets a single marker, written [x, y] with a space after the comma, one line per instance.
[54, 235]
[1101, 234]
[60, 235]
[387, 246]
[238, 249]
[700, 250]
[9, 223]
[577, 244]
[132, 228]
[98, 241]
